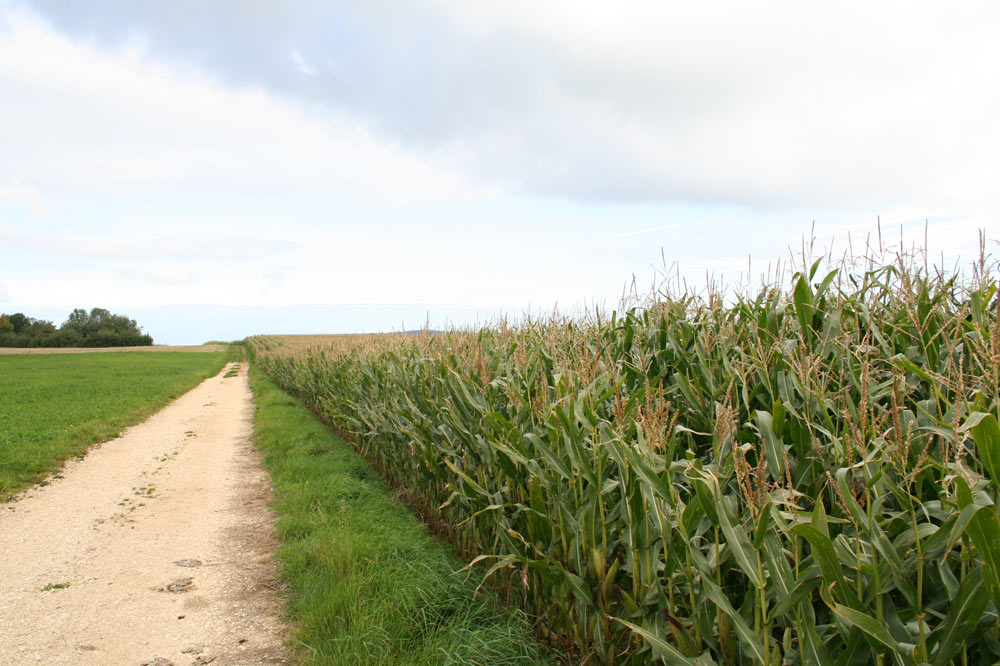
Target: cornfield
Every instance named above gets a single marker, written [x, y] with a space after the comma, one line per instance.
[804, 475]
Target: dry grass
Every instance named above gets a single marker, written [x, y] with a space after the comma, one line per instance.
[301, 346]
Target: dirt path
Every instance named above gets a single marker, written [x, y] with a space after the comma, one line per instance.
[153, 549]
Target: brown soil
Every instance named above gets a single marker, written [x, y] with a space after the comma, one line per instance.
[156, 548]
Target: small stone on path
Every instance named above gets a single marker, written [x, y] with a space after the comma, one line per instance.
[188, 563]
[180, 585]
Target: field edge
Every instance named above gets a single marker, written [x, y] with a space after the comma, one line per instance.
[360, 564]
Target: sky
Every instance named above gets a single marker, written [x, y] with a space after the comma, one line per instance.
[218, 169]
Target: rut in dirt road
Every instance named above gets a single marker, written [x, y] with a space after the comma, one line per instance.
[153, 549]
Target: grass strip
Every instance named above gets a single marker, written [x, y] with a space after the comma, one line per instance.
[369, 584]
[55, 406]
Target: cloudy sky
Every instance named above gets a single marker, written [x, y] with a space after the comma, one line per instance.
[223, 168]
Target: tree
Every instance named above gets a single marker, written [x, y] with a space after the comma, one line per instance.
[39, 329]
[97, 328]
[20, 322]
[101, 328]
[76, 322]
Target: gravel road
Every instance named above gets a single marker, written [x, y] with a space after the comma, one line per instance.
[153, 549]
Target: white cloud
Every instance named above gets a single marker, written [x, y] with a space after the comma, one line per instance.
[4, 294]
[852, 105]
[498, 154]
[772, 104]
[643, 231]
[207, 244]
[76, 117]
[14, 191]
[300, 63]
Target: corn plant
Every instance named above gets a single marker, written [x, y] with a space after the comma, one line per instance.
[804, 475]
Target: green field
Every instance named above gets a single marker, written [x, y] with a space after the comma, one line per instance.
[369, 584]
[53, 407]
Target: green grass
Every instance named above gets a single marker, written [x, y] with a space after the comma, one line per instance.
[54, 406]
[369, 584]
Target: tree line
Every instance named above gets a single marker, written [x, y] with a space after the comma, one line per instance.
[97, 328]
